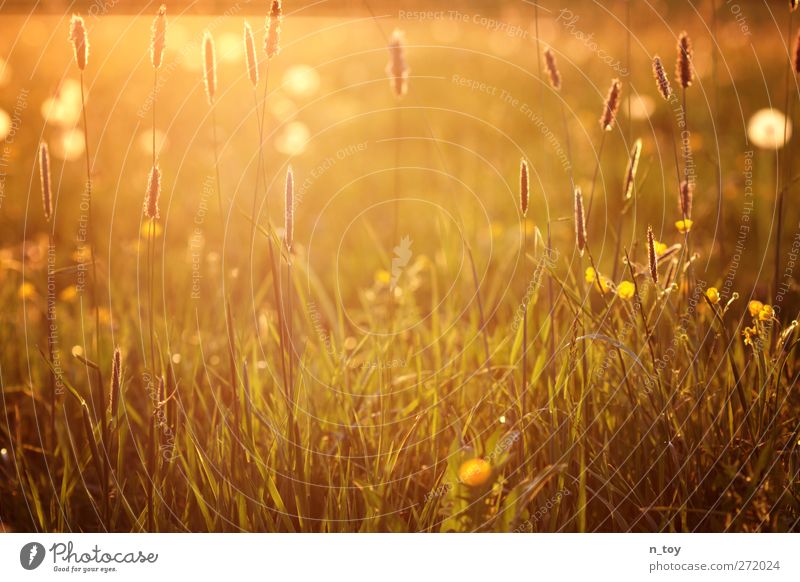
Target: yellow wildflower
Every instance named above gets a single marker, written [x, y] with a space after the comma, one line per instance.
[26, 291]
[660, 248]
[684, 226]
[712, 293]
[755, 307]
[750, 333]
[602, 283]
[767, 313]
[625, 290]
[68, 293]
[474, 472]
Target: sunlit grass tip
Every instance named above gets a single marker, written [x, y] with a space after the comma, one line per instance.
[272, 40]
[397, 69]
[630, 172]
[651, 254]
[158, 37]
[210, 67]
[250, 54]
[80, 41]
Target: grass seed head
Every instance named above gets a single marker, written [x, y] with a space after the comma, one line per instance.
[210, 67]
[651, 254]
[44, 174]
[80, 42]
[398, 67]
[685, 198]
[611, 106]
[552, 69]
[684, 69]
[524, 187]
[153, 193]
[796, 56]
[158, 38]
[662, 81]
[580, 222]
[116, 380]
[250, 54]
[272, 42]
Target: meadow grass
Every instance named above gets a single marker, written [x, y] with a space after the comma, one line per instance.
[537, 373]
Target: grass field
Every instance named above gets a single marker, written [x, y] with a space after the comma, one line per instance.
[341, 304]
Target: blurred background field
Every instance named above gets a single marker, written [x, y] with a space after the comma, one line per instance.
[450, 152]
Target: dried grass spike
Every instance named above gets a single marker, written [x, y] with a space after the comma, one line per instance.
[116, 381]
[524, 187]
[272, 42]
[210, 67]
[611, 106]
[397, 69]
[796, 59]
[153, 193]
[552, 69]
[250, 54]
[684, 69]
[580, 222]
[80, 41]
[158, 37]
[651, 254]
[685, 199]
[44, 174]
[289, 224]
[662, 81]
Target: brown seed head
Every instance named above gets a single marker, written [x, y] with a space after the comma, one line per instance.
[116, 380]
[153, 193]
[662, 81]
[580, 222]
[210, 67]
[685, 199]
[552, 69]
[272, 42]
[289, 223]
[397, 69]
[796, 59]
[611, 106]
[651, 254]
[684, 69]
[44, 175]
[158, 37]
[250, 54]
[80, 42]
[524, 187]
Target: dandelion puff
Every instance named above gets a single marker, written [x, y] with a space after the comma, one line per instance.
[524, 187]
[210, 68]
[397, 69]
[580, 221]
[552, 69]
[684, 69]
[80, 42]
[44, 174]
[153, 193]
[651, 254]
[250, 54]
[662, 81]
[611, 106]
[158, 37]
[685, 198]
[272, 42]
[289, 223]
[633, 166]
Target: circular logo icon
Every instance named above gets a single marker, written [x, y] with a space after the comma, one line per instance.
[31, 555]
